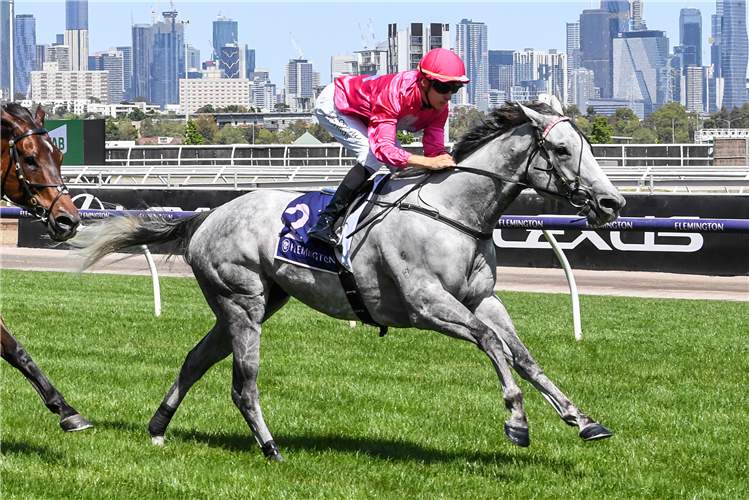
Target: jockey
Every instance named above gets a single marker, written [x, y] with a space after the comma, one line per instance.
[364, 112]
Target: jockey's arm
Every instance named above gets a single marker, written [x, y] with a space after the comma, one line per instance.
[433, 163]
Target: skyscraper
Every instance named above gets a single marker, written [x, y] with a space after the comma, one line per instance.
[299, 81]
[225, 31]
[168, 60]
[24, 52]
[595, 48]
[501, 73]
[640, 60]
[734, 53]
[142, 60]
[127, 68]
[406, 47]
[573, 45]
[76, 15]
[690, 36]
[471, 41]
[250, 60]
[4, 48]
[112, 61]
[76, 33]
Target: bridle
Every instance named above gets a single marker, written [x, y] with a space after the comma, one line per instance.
[577, 194]
[35, 208]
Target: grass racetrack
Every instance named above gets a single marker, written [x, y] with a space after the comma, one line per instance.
[411, 415]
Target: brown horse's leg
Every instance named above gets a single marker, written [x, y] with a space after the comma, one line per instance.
[14, 353]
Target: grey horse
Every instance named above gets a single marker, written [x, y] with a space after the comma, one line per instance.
[427, 262]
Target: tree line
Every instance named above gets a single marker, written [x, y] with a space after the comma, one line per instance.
[671, 123]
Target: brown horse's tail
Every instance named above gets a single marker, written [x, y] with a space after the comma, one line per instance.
[119, 233]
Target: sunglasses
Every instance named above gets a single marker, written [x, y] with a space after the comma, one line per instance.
[444, 88]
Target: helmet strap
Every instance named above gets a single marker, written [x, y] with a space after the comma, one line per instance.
[428, 104]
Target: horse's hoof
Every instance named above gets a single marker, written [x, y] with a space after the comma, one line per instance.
[518, 436]
[75, 423]
[270, 450]
[157, 440]
[594, 432]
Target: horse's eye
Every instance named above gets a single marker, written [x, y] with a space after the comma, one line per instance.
[562, 151]
[31, 162]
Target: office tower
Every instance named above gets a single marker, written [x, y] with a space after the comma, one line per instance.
[640, 61]
[690, 36]
[595, 48]
[694, 89]
[536, 72]
[343, 66]
[734, 53]
[619, 14]
[636, 22]
[299, 82]
[4, 49]
[249, 61]
[168, 60]
[406, 47]
[193, 58]
[582, 88]
[41, 56]
[76, 33]
[225, 31]
[501, 72]
[59, 54]
[142, 59]
[471, 39]
[573, 45]
[373, 61]
[76, 15]
[24, 52]
[127, 70]
[230, 60]
[69, 85]
[112, 61]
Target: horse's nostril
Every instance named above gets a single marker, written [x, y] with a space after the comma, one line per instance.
[609, 203]
[65, 222]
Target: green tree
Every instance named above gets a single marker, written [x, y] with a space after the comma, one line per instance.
[206, 109]
[671, 123]
[147, 128]
[230, 135]
[281, 107]
[250, 133]
[137, 115]
[591, 113]
[584, 125]
[462, 119]
[600, 132]
[625, 123]
[207, 127]
[573, 112]
[127, 132]
[235, 108]
[111, 131]
[192, 137]
[266, 137]
[172, 128]
[404, 137]
[319, 132]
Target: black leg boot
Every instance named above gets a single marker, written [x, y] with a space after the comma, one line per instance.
[324, 230]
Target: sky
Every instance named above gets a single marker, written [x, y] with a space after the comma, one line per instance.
[324, 29]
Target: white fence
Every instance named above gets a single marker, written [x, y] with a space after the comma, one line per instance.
[639, 168]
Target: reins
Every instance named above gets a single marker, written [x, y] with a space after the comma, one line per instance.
[26, 186]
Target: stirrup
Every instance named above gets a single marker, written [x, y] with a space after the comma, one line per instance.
[326, 234]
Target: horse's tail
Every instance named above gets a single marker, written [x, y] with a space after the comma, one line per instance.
[120, 233]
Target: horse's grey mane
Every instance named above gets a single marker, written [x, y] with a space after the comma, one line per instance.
[499, 121]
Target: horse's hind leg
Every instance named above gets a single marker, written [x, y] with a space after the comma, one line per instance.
[14, 353]
[214, 347]
[492, 312]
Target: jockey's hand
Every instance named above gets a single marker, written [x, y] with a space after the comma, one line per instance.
[432, 163]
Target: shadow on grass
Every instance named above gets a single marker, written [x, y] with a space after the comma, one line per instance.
[11, 447]
[376, 448]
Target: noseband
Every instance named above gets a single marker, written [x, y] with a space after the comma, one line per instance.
[35, 208]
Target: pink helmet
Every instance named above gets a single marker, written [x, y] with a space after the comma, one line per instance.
[443, 65]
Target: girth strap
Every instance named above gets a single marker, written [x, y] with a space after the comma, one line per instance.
[434, 214]
[348, 281]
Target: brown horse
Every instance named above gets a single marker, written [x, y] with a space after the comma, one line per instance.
[31, 179]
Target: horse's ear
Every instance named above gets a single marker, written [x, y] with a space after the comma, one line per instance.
[537, 119]
[39, 118]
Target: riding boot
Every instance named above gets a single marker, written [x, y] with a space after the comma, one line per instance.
[324, 230]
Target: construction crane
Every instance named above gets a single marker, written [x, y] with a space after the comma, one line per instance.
[363, 40]
[371, 30]
[297, 47]
[215, 56]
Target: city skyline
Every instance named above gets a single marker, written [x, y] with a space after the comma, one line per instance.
[308, 23]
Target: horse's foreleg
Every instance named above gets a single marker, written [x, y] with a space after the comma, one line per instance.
[14, 353]
[448, 316]
[493, 313]
[214, 347]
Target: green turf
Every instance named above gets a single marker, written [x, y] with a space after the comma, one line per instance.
[410, 415]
